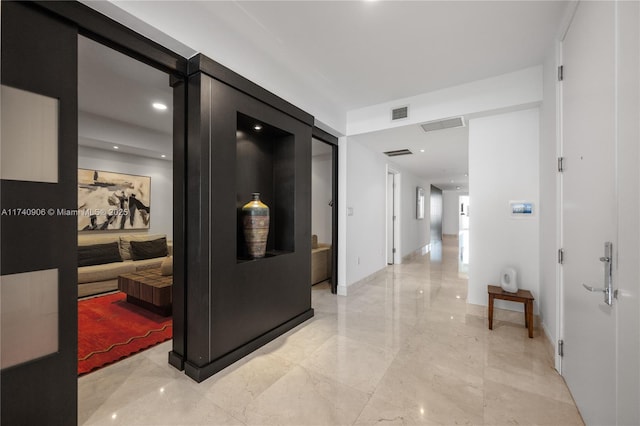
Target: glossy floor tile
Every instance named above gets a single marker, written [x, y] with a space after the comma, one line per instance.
[402, 349]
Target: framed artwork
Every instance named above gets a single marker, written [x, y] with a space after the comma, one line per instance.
[113, 201]
[521, 208]
[419, 203]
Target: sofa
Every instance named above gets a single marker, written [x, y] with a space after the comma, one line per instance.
[320, 261]
[102, 258]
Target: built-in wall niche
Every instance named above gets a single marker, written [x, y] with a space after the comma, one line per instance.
[265, 163]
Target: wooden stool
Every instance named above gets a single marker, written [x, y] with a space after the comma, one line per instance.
[523, 296]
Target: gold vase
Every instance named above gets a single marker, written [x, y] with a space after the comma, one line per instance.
[255, 216]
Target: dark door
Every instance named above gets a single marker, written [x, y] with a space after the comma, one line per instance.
[38, 257]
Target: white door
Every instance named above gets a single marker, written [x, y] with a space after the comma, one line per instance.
[589, 210]
[596, 362]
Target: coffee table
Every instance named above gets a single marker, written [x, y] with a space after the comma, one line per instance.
[148, 289]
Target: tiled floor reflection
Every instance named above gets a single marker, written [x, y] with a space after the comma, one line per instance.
[402, 349]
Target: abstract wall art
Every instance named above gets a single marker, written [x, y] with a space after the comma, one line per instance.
[113, 201]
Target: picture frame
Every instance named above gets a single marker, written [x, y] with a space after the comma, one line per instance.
[419, 203]
[112, 201]
[521, 208]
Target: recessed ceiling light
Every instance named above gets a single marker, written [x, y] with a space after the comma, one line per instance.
[257, 127]
[163, 156]
[159, 106]
[116, 147]
[457, 187]
[466, 175]
[422, 150]
[451, 181]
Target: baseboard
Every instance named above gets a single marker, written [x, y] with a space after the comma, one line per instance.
[357, 284]
[204, 372]
[176, 360]
[417, 253]
[549, 345]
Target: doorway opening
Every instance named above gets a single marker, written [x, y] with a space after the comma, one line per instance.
[324, 227]
[393, 217]
[463, 234]
[125, 206]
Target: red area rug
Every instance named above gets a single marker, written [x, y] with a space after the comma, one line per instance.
[110, 329]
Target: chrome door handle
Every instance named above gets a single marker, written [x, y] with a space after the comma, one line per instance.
[594, 290]
[609, 292]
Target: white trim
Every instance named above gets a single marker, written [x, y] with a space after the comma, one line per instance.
[559, 217]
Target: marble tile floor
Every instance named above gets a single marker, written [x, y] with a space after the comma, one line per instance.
[403, 349]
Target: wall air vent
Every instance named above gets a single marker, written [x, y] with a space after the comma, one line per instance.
[398, 152]
[399, 113]
[447, 123]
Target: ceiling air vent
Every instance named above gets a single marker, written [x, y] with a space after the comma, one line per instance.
[447, 123]
[400, 113]
[398, 152]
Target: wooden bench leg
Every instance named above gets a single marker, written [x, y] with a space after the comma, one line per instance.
[491, 297]
[526, 314]
[529, 305]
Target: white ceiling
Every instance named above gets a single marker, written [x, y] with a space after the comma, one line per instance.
[331, 57]
[122, 90]
[445, 159]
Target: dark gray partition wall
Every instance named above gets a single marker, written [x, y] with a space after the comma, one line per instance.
[436, 212]
[235, 305]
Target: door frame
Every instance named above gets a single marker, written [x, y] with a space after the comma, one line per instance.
[95, 26]
[390, 211]
[332, 141]
[395, 199]
[99, 28]
[566, 23]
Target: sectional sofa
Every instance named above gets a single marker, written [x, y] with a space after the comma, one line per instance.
[101, 258]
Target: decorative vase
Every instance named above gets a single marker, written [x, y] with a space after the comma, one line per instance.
[509, 280]
[255, 216]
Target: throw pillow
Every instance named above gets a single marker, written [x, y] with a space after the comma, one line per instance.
[125, 242]
[98, 254]
[149, 249]
[167, 266]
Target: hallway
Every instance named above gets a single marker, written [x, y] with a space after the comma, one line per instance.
[403, 348]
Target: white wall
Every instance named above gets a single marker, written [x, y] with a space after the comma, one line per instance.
[451, 213]
[414, 233]
[548, 208]
[321, 178]
[503, 166]
[161, 173]
[364, 233]
[366, 196]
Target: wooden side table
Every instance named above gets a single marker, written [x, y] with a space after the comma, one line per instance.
[523, 296]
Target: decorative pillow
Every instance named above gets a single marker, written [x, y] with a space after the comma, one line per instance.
[149, 249]
[98, 254]
[125, 242]
[167, 266]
